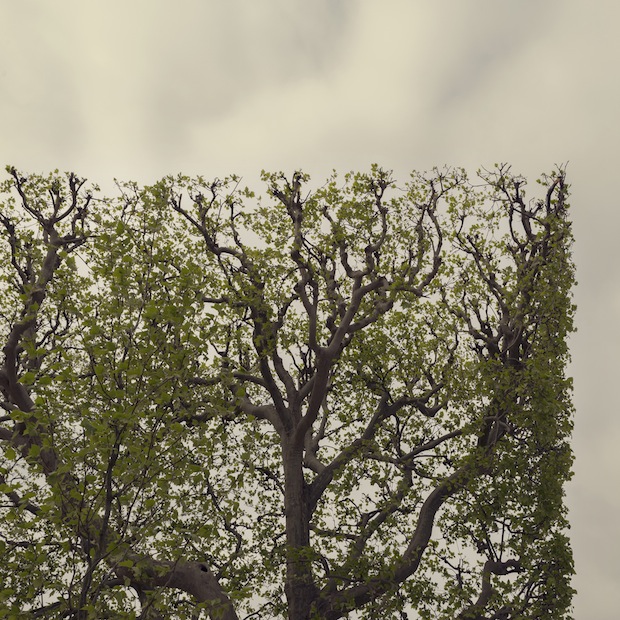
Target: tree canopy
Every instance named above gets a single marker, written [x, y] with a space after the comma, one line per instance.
[343, 401]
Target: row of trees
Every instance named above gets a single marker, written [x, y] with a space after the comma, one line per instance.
[325, 402]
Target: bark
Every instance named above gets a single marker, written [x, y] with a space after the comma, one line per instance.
[337, 605]
[300, 589]
[192, 577]
[476, 611]
[195, 578]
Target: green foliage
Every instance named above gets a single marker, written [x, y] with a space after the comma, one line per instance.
[349, 400]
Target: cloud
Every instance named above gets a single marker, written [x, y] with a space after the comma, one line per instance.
[132, 80]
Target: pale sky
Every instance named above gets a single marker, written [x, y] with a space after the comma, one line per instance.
[136, 89]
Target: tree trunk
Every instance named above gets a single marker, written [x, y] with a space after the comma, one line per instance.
[300, 589]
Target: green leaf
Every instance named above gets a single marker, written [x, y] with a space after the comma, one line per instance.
[28, 378]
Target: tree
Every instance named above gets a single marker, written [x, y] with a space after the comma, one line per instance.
[347, 400]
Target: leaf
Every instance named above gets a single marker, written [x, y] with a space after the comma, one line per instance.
[28, 378]
[295, 389]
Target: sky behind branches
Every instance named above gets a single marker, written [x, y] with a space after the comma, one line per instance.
[136, 89]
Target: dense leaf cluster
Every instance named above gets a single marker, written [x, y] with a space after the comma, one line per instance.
[347, 401]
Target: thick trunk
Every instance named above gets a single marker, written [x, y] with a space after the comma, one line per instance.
[300, 589]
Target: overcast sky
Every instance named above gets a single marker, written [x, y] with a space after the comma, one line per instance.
[136, 89]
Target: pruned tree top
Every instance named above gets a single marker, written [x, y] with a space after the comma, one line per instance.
[337, 401]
